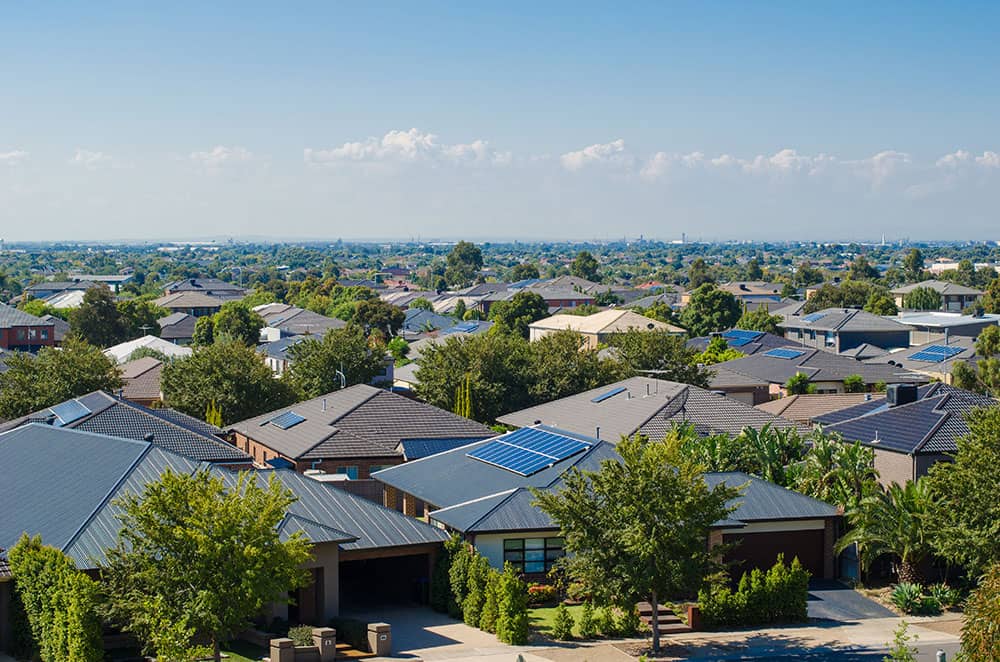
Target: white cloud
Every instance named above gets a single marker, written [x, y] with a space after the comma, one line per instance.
[612, 153]
[90, 160]
[962, 157]
[220, 156]
[13, 158]
[408, 147]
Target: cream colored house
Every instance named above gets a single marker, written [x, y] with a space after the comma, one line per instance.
[597, 328]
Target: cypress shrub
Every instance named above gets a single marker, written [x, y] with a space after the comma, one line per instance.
[512, 604]
[478, 575]
[491, 607]
[588, 624]
[562, 626]
[778, 596]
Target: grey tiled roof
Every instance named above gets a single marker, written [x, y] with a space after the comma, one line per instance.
[646, 405]
[11, 317]
[66, 484]
[298, 321]
[929, 425]
[819, 365]
[844, 319]
[359, 421]
[766, 342]
[177, 326]
[414, 449]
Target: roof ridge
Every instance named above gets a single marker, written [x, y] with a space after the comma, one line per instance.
[944, 416]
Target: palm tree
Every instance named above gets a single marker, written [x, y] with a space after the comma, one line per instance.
[892, 522]
[838, 473]
[772, 451]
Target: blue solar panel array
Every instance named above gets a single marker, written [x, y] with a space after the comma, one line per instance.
[609, 394]
[813, 317]
[465, 327]
[936, 353]
[528, 450]
[287, 420]
[69, 411]
[782, 353]
[739, 337]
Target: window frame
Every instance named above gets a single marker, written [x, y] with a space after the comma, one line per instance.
[516, 552]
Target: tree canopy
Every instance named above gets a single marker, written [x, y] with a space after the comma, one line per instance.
[759, 320]
[922, 298]
[664, 354]
[515, 314]
[463, 263]
[98, 320]
[710, 309]
[585, 265]
[235, 321]
[316, 361]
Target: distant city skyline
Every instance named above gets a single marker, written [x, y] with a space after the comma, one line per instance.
[566, 121]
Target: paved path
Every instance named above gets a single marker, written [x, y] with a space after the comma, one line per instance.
[831, 600]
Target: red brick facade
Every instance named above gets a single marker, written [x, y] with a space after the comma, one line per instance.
[261, 454]
[28, 338]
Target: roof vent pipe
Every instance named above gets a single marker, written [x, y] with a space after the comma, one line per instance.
[148, 437]
[324, 404]
[597, 435]
[647, 389]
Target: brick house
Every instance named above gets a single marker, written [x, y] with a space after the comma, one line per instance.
[23, 332]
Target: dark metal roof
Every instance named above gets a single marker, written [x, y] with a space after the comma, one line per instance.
[844, 319]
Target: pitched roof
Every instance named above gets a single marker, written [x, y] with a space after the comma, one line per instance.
[11, 317]
[66, 483]
[359, 421]
[761, 343]
[212, 286]
[843, 319]
[864, 351]
[61, 285]
[931, 424]
[176, 432]
[142, 379]
[60, 327]
[183, 300]
[752, 288]
[645, 405]
[615, 320]
[964, 349]
[818, 364]
[122, 352]
[177, 326]
[940, 286]
[298, 321]
[805, 408]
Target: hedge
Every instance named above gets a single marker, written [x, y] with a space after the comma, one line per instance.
[777, 596]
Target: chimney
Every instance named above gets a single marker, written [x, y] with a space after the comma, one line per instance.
[901, 394]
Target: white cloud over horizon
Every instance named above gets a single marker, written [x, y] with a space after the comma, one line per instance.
[13, 157]
[84, 158]
[409, 146]
[220, 156]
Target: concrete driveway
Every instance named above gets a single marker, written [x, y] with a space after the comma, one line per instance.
[832, 601]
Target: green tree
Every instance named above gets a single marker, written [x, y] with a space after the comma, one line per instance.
[799, 384]
[197, 559]
[585, 265]
[991, 298]
[375, 314]
[463, 263]
[228, 373]
[235, 321]
[637, 529]
[966, 516]
[460, 310]
[838, 473]
[913, 265]
[806, 275]
[753, 270]
[522, 271]
[513, 316]
[562, 366]
[981, 632]
[985, 376]
[710, 309]
[854, 384]
[98, 320]
[922, 298]
[316, 361]
[894, 522]
[662, 353]
[421, 303]
[512, 608]
[881, 304]
[140, 317]
[31, 383]
[59, 600]
[562, 626]
[699, 274]
[204, 331]
[861, 269]
[848, 294]
[718, 350]
[759, 320]
[399, 348]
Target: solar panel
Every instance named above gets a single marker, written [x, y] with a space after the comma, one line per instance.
[782, 353]
[946, 350]
[813, 317]
[935, 353]
[465, 327]
[287, 420]
[742, 333]
[69, 411]
[610, 394]
[528, 450]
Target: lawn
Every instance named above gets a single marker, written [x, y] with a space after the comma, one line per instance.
[241, 651]
[542, 619]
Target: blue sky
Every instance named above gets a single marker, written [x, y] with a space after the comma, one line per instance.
[519, 120]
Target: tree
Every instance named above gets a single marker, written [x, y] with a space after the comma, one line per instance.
[140, 317]
[991, 298]
[922, 298]
[637, 529]
[710, 309]
[894, 521]
[316, 361]
[759, 320]
[204, 331]
[913, 265]
[31, 383]
[849, 294]
[799, 384]
[562, 366]
[806, 275]
[718, 350]
[753, 270]
[235, 321]
[662, 353]
[399, 348]
[460, 310]
[197, 559]
[228, 373]
[838, 473]
[981, 632]
[463, 263]
[98, 320]
[854, 384]
[966, 517]
[522, 271]
[985, 376]
[515, 314]
[699, 274]
[881, 304]
[585, 266]
[861, 269]
[421, 303]
[512, 607]
[375, 314]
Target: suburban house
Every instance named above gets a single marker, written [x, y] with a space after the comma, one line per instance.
[141, 379]
[122, 352]
[354, 431]
[954, 297]
[737, 386]
[936, 360]
[646, 406]
[102, 413]
[555, 297]
[482, 491]
[47, 289]
[23, 332]
[177, 328]
[806, 408]
[909, 429]
[210, 286]
[60, 327]
[840, 329]
[66, 484]
[756, 292]
[746, 342]
[195, 304]
[826, 370]
[281, 320]
[598, 328]
[939, 327]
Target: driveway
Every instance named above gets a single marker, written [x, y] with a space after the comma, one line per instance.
[832, 601]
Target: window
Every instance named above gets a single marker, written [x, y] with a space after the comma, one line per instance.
[831, 339]
[20, 334]
[32, 334]
[533, 555]
[351, 471]
[45, 334]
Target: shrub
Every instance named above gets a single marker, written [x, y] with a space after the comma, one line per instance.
[440, 593]
[301, 635]
[901, 650]
[946, 596]
[540, 594]
[981, 633]
[629, 623]
[906, 597]
[59, 601]
[488, 616]
[352, 631]
[478, 574]
[562, 626]
[930, 605]
[512, 608]
[588, 624]
[606, 622]
[458, 578]
[778, 596]
[578, 592]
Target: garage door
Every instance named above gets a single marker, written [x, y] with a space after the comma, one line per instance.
[380, 581]
[760, 550]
